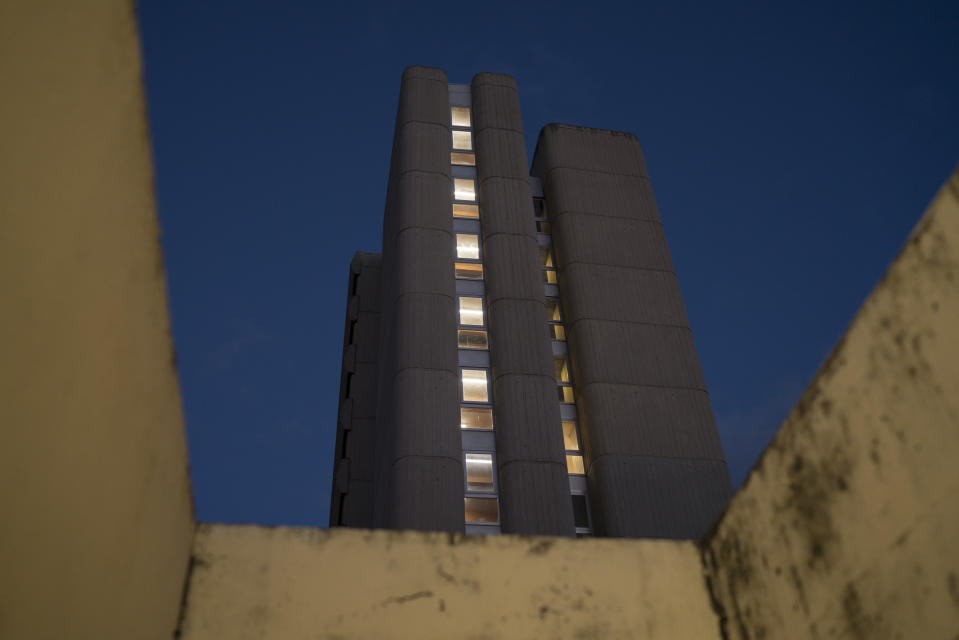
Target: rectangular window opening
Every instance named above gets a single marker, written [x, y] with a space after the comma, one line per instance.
[552, 310]
[464, 189]
[549, 276]
[462, 140]
[465, 210]
[460, 116]
[471, 312]
[472, 339]
[557, 331]
[570, 437]
[479, 472]
[467, 246]
[468, 270]
[475, 385]
[482, 510]
[476, 418]
[561, 368]
[574, 464]
[461, 159]
[566, 394]
[580, 511]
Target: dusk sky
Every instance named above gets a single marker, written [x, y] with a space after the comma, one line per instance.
[791, 147]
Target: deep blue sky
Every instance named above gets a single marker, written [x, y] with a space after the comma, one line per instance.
[791, 150]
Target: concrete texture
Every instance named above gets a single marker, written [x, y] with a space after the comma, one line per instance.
[418, 473]
[629, 342]
[351, 501]
[533, 483]
[254, 582]
[847, 525]
[97, 522]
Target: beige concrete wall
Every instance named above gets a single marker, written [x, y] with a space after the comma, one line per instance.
[264, 583]
[848, 527]
[95, 510]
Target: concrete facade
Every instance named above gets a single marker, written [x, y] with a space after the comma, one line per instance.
[654, 462]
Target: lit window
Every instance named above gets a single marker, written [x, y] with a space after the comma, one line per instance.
[471, 311]
[472, 339]
[482, 510]
[574, 464]
[552, 310]
[467, 246]
[561, 369]
[565, 394]
[570, 439]
[549, 276]
[476, 418]
[557, 331]
[542, 226]
[580, 511]
[468, 270]
[462, 140]
[464, 189]
[546, 257]
[479, 472]
[475, 388]
[462, 159]
[460, 116]
[465, 210]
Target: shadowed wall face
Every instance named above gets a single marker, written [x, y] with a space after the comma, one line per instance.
[419, 474]
[96, 519]
[655, 465]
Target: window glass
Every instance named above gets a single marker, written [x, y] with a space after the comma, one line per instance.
[561, 369]
[552, 310]
[464, 189]
[467, 246]
[580, 512]
[557, 331]
[549, 276]
[570, 439]
[462, 159]
[479, 472]
[482, 510]
[462, 140]
[545, 257]
[565, 394]
[542, 226]
[465, 210]
[474, 385]
[476, 418]
[574, 464]
[471, 311]
[539, 207]
[472, 339]
[468, 270]
[460, 116]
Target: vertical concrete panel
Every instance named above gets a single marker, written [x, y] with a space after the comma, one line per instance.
[629, 342]
[417, 470]
[96, 523]
[847, 525]
[534, 487]
[356, 414]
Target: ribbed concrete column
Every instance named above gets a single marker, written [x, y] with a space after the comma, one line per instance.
[534, 486]
[655, 466]
[419, 475]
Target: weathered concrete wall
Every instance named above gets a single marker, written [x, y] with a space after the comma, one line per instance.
[351, 502]
[418, 479]
[848, 525]
[531, 462]
[253, 582]
[95, 510]
[654, 462]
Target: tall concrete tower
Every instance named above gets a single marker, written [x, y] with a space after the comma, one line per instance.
[518, 358]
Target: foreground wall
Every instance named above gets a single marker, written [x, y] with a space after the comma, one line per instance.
[95, 513]
[848, 525]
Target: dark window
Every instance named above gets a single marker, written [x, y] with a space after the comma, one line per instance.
[580, 513]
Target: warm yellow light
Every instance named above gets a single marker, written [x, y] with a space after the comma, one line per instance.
[472, 339]
[475, 388]
[566, 394]
[462, 159]
[570, 439]
[476, 418]
[561, 369]
[557, 331]
[481, 510]
[464, 189]
[465, 210]
[468, 270]
[574, 464]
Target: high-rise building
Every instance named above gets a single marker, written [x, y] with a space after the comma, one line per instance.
[518, 358]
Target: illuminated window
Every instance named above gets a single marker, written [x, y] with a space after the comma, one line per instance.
[472, 339]
[542, 226]
[464, 189]
[546, 257]
[549, 276]
[561, 368]
[460, 116]
[574, 464]
[565, 394]
[467, 246]
[482, 510]
[580, 511]
[462, 159]
[465, 210]
[462, 140]
[552, 310]
[475, 386]
[479, 472]
[471, 311]
[557, 332]
[570, 438]
[476, 418]
[468, 270]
